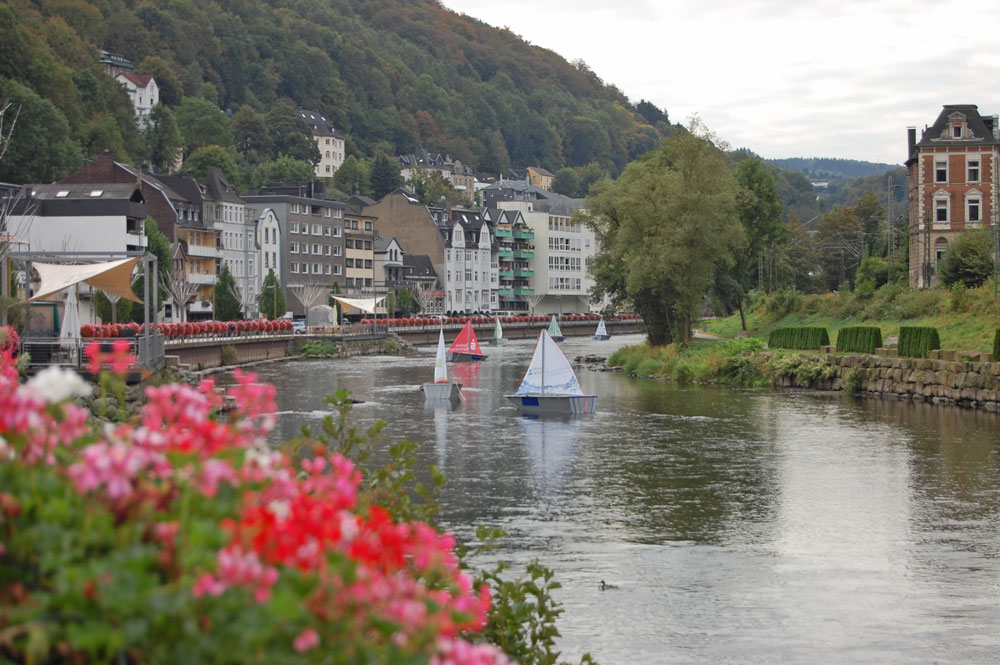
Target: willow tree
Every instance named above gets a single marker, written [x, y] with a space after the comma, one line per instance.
[666, 225]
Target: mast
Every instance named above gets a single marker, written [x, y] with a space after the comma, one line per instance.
[543, 363]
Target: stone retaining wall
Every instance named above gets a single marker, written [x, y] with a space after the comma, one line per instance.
[969, 384]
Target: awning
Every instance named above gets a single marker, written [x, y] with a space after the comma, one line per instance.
[366, 305]
[111, 277]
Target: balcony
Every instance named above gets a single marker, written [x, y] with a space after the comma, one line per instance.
[524, 272]
[524, 235]
[198, 278]
[506, 254]
[521, 254]
[204, 251]
[524, 292]
[506, 272]
[506, 293]
[502, 233]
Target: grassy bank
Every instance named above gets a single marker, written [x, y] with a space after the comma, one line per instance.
[965, 320]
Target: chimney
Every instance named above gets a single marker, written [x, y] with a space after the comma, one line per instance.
[911, 141]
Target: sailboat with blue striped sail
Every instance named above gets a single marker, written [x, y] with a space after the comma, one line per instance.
[549, 385]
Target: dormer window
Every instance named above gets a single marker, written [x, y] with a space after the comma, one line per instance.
[956, 131]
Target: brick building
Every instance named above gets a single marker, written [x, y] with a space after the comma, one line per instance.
[953, 184]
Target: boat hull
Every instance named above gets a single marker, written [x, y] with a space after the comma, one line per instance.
[498, 342]
[554, 404]
[454, 357]
[442, 392]
[557, 338]
[602, 337]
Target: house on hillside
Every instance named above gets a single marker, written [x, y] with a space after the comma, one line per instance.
[143, 92]
[113, 63]
[422, 162]
[329, 141]
[539, 177]
[951, 175]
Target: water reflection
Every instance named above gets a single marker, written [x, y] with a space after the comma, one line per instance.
[741, 526]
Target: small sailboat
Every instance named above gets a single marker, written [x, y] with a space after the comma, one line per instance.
[442, 390]
[549, 385]
[497, 338]
[602, 331]
[466, 347]
[554, 331]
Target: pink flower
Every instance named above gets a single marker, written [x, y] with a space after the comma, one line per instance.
[306, 640]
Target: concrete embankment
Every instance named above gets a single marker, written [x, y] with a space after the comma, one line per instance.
[964, 383]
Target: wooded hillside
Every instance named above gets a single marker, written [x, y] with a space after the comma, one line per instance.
[389, 74]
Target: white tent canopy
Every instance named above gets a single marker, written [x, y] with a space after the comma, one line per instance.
[111, 277]
[366, 305]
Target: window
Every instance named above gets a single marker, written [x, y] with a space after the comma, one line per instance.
[293, 248]
[368, 263]
[293, 227]
[941, 210]
[368, 226]
[326, 212]
[326, 231]
[326, 250]
[349, 243]
[266, 265]
[973, 215]
[326, 269]
[316, 250]
[336, 232]
[973, 170]
[294, 267]
[337, 251]
[317, 231]
[316, 269]
[274, 259]
[349, 262]
[337, 270]
[368, 244]
[956, 131]
[295, 207]
[940, 171]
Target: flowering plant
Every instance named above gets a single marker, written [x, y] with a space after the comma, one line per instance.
[180, 536]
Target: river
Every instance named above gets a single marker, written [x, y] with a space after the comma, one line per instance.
[739, 526]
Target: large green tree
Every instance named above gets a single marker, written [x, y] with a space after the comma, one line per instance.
[201, 124]
[352, 177]
[385, 176]
[40, 148]
[759, 210]
[163, 139]
[283, 169]
[272, 297]
[204, 158]
[227, 303]
[289, 134]
[666, 224]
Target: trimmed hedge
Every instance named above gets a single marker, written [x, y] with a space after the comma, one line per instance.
[918, 341]
[805, 337]
[859, 339]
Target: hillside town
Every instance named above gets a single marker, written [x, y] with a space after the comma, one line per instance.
[513, 248]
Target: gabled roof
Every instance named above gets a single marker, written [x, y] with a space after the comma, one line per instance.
[140, 80]
[540, 171]
[90, 191]
[382, 244]
[219, 188]
[418, 265]
[977, 129]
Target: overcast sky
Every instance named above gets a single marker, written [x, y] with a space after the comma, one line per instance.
[785, 78]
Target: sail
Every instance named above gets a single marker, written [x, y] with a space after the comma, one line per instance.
[601, 328]
[554, 327]
[549, 372]
[440, 366]
[466, 341]
[498, 331]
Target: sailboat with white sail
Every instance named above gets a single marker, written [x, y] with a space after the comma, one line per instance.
[497, 338]
[554, 330]
[602, 331]
[442, 390]
[549, 385]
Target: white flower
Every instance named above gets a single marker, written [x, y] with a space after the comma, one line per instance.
[55, 384]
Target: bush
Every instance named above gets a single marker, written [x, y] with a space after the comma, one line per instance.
[227, 355]
[968, 259]
[918, 341]
[805, 337]
[861, 339]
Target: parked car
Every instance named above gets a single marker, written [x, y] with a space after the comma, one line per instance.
[299, 327]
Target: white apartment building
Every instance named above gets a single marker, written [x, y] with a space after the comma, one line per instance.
[562, 252]
[471, 280]
[329, 141]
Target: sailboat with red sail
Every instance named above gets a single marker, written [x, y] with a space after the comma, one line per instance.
[466, 347]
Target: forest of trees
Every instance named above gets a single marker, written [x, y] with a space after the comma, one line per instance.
[389, 74]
